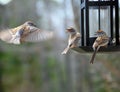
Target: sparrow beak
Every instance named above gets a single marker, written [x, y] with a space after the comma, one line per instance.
[31, 27]
[67, 30]
[70, 30]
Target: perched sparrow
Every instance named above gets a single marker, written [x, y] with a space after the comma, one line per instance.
[27, 32]
[101, 41]
[73, 41]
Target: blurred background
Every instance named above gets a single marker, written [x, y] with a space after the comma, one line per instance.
[40, 67]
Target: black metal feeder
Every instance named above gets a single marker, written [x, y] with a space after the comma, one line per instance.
[96, 15]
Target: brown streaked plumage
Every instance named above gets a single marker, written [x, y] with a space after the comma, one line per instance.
[27, 32]
[73, 40]
[101, 41]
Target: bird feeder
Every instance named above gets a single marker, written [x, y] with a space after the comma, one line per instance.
[99, 15]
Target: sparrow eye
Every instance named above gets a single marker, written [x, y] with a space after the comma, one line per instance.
[31, 24]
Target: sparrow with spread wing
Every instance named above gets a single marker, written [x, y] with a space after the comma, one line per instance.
[27, 32]
[73, 41]
[101, 41]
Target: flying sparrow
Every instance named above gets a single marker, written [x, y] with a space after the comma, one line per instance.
[101, 41]
[27, 32]
[73, 41]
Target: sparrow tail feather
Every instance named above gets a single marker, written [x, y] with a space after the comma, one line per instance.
[93, 56]
[65, 50]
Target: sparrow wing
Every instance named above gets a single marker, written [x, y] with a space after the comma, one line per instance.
[36, 35]
[102, 41]
[76, 41]
[5, 35]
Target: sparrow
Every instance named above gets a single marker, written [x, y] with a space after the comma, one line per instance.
[27, 32]
[102, 40]
[73, 40]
